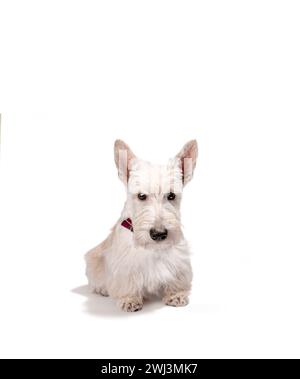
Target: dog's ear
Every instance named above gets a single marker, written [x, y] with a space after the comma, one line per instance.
[123, 156]
[187, 159]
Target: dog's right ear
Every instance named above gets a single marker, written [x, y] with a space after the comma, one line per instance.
[188, 157]
[123, 156]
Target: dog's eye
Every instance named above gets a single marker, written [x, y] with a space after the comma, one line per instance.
[142, 196]
[171, 196]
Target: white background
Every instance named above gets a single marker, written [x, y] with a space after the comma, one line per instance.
[75, 75]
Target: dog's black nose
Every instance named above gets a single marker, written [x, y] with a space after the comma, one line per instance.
[158, 235]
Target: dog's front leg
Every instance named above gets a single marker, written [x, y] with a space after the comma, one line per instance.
[131, 303]
[174, 297]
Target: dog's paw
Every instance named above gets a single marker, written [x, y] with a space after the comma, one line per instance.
[101, 291]
[176, 300]
[131, 304]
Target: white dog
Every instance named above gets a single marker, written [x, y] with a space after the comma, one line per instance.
[146, 253]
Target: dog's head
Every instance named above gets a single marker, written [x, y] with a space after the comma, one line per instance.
[154, 193]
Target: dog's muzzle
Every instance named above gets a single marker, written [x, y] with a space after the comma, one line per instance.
[158, 235]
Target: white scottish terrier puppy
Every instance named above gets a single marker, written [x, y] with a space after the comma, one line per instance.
[146, 253]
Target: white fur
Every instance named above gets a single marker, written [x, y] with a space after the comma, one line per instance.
[129, 266]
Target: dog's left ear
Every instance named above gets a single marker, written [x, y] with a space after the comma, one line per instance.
[123, 156]
[188, 157]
